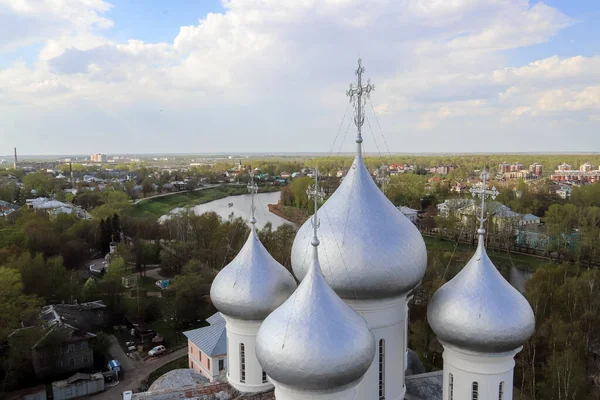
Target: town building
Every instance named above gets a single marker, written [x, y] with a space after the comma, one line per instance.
[442, 169]
[55, 207]
[66, 345]
[78, 385]
[467, 210]
[517, 171]
[536, 169]
[410, 213]
[585, 174]
[7, 208]
[207, 348]
[101, 158]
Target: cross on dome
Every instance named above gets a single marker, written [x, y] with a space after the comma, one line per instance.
[481, 190]
[316, 193]
[252, 189]
[359, 94]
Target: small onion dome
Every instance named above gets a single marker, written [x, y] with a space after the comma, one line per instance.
[369, 248]
[314, 341]
[252, 285]
[479, 310]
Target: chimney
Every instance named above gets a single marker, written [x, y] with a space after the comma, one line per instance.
[15, 163]
[71, 171]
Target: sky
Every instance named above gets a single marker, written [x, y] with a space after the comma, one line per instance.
[230, 76]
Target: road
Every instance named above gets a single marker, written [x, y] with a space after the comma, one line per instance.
[135, 371]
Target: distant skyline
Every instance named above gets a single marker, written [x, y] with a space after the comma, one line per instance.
[239, 76]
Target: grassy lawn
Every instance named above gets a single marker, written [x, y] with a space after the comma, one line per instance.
[501, 259]
[178, 363]
[160, 206]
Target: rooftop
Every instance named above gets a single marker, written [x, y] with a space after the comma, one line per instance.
[178, 379]
[212, 339]
[427, 386]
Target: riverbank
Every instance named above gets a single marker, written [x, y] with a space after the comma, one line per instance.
[291, 214]
[159, 206]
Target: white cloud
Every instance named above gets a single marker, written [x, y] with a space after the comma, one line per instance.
[24, 22]
[279, 65]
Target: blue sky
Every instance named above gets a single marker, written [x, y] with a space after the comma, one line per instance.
[157, 21]
[579, 39]
[119, 76]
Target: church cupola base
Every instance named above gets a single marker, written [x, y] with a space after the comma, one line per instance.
[244, 372]
[387, 319]
[482, 376]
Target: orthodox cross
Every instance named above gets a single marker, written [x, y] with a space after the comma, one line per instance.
[482, 191]
[359, 94]
[316, 193]
[252, 189]
[382, 177]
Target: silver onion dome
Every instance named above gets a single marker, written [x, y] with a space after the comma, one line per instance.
[369, 249]
[478, 310]
[253, 284]
[314, 341]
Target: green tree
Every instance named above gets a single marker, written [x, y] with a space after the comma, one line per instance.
[407, 189]
[561, 221]
[191, 287]
[90, 290]
[15, 306]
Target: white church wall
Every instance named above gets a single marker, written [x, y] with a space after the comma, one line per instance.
[489, 371]
[244, 332]
[387, 320]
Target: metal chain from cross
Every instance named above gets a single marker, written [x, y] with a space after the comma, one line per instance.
[482, 191]
[316, 193]
[356, 93]
[252, 189]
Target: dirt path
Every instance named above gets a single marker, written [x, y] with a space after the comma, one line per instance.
[133, 378]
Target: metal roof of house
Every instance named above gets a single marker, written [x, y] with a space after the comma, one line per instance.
[530, 217]
[212, 339]
[427, 386]
[216, 318]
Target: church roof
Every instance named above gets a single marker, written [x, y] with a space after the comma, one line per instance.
[253, 284]
[428, 386]
[212, 339]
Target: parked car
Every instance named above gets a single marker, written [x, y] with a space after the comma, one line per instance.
[158, 350]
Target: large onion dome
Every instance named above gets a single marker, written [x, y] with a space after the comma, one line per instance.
[369, 248]
[479, 310]
[314, 341]
[253, 284]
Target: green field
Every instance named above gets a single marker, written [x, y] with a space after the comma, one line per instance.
[159, 206]
[502, 259]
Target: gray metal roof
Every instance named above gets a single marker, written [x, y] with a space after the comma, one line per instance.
[427, 386]
[212, 339]
[216, 318]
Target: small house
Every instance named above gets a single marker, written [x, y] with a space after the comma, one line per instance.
[207, 348]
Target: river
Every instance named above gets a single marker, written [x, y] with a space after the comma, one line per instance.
[241, 208]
